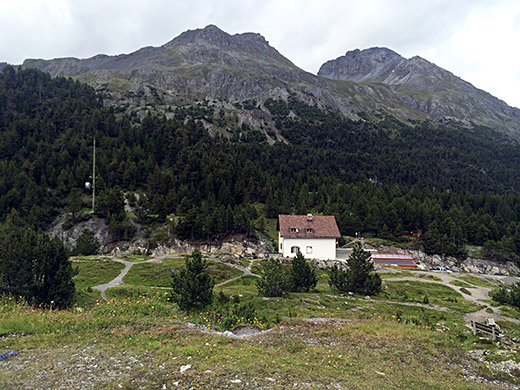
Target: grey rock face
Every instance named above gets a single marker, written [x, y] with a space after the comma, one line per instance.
[363, 65]
[426, 87]
[211, 64]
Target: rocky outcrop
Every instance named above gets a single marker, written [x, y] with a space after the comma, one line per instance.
[470, 264]
[426, 87]
[210, 64]
[235, 247]
[70, 235]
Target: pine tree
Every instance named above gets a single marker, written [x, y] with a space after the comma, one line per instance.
[273, 282]
[358, 277]
[34, 266]
[86, 244]
[192, 285]
[303, 276]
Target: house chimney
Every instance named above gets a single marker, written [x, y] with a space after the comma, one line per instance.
[309, 217]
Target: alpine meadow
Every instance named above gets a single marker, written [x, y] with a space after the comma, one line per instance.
[140, 205]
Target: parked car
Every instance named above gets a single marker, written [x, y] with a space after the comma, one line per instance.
[441, 269]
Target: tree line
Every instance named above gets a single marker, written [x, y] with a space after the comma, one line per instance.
[454, 185]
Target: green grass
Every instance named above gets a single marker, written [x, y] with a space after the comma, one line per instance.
[438, 294]
[430, 277]
[510, 311]
[95, 270]
[153, 274]
[464, 290]
[400, 274]
[477, 281]
[371, 353]
[92, 271]
[159, 274]
[270, 230]
[134, 258]
[460, 283]
[351, 341]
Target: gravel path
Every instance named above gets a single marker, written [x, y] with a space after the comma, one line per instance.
[478, 295]
[245, 270]
[118, 280]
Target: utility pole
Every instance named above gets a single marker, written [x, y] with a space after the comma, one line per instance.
[94, 175]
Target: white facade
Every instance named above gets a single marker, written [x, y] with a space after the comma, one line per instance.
[311, 248]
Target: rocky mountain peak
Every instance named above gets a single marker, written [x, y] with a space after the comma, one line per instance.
[213, 37]
[359, 65]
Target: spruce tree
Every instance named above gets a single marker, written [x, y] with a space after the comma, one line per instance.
[358, 277]
[35, 267]
[274, 281]
[192, 286]
[303, 276]
[86, 244]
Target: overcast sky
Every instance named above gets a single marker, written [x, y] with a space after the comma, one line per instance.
[478, 40]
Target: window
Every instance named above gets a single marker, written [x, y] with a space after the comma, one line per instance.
[281, 246]
[309, 230]
[295, 249]
[309, 250]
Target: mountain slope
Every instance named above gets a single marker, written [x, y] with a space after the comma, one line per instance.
[211, 64]
[424, 86]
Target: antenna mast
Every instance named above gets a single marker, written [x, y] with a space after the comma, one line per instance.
[94, 175]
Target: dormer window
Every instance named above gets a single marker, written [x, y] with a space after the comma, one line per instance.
[309, 230]
[294, 230]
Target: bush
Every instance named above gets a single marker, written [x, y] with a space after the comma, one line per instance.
[86, 244]
[274, 281]
[303, 276]
[358, 277]
[192, 285]
[509, 295]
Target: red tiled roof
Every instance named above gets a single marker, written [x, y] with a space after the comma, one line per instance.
[298, 226]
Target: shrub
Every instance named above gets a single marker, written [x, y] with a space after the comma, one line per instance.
[509, 295]
[35, 267]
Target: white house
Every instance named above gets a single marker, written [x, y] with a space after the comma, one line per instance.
[313, 235]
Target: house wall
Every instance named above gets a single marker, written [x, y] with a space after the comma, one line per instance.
[322, 248]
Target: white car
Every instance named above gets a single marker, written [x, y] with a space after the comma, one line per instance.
[442, 269]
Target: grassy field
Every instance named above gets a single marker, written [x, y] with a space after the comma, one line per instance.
[316, 340]
[93, 270]
[159, 274]
[477, 281]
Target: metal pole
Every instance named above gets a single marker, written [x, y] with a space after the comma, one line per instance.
[94, 176]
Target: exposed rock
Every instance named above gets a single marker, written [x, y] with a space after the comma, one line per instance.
[424, 86]
[211, 64]
[235, 247]
[470, 264]
[69, 236]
